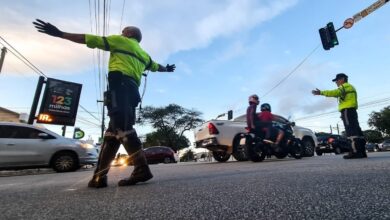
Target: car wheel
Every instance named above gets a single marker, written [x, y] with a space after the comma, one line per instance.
[239, 151]
[337, 150]
[221, 156]
[376, 149]
[319, 153]
[65, 162]
[308, 147]
[167, 160]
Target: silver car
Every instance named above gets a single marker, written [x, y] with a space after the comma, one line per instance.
[29, 146]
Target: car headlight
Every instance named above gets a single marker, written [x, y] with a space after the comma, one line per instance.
[85, 145]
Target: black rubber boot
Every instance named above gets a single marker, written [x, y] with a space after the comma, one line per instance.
[107, 154]
[141, 172]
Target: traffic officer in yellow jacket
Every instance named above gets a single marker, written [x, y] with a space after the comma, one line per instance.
[126, 64]
[347, 98]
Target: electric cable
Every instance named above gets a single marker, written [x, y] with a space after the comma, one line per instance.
[22, 58]
[123, 9]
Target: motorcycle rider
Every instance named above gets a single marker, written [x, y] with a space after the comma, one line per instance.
[266, 117]
[252, 120]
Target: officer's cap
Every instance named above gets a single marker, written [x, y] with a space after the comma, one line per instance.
[340, 76]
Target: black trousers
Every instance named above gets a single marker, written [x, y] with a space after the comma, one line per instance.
[353, 131]
[123, 98]
[351, 123]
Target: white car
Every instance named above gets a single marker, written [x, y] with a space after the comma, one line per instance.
[29, 146]
[222, 137]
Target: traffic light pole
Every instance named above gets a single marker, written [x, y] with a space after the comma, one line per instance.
[34, 106]
[3, 52]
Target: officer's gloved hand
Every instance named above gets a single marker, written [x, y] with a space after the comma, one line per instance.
[316, 92]
[170, 68]
[47, 28]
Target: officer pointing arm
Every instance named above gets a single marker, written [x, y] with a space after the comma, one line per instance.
[126, 64]
[52, 30]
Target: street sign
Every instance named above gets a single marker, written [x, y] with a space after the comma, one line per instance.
[348, 23]
[60, 102]
[357, 17]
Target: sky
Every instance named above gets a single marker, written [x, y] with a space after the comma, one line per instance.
[224, 51]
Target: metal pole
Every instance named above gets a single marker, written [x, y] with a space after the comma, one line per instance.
[3, 51]
[63, 130]
[36, 100]
[103, 125]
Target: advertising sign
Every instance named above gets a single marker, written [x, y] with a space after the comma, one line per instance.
[60, 102]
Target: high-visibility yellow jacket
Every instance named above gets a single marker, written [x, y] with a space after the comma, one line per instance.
[346, 95]
[126, 55]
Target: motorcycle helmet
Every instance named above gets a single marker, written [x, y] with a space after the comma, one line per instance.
[265, 107]
[253, 99]
[132, 32]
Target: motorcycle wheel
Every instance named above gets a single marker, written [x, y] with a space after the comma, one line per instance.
[256, 152]
[297, 149]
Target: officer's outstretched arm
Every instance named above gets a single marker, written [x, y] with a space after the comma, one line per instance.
[167, 68]
[47, 28]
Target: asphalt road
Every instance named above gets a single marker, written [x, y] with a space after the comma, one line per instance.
[326, 187]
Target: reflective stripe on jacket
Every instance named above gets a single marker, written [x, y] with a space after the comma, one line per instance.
[346, 95]
[126, 55]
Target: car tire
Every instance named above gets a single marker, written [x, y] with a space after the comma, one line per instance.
[167, 160]
[308, 147]
[239, 151]
[221, 156]
[376, 149]
[319, 153]
[65, 162]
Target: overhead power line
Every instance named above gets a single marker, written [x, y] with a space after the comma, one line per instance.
[362, 106]
[292, 71]
[22, 58]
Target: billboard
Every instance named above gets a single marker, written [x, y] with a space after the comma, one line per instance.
[60, 102]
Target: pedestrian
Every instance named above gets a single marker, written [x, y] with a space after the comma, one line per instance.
[126, 64]
[347, 98]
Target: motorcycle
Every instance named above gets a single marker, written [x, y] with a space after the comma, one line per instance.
[259, 148]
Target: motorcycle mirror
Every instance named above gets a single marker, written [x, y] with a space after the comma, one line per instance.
[292, 124]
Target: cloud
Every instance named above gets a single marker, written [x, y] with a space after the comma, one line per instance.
[168, 27]
[293, 97]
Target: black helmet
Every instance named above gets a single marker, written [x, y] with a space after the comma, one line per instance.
[265, 107]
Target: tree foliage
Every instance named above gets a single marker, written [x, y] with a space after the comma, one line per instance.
[170, 123]
[189, 155]
[373, 136]
[381, 120]
[166, 138]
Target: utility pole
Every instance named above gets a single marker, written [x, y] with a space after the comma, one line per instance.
[331, 129]
[3, 51]
[338, 131]
[63, 130]
[103, 125]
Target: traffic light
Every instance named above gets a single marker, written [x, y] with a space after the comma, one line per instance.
[325, 38]
[332, 34]
[328, 36]
[230, 114]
